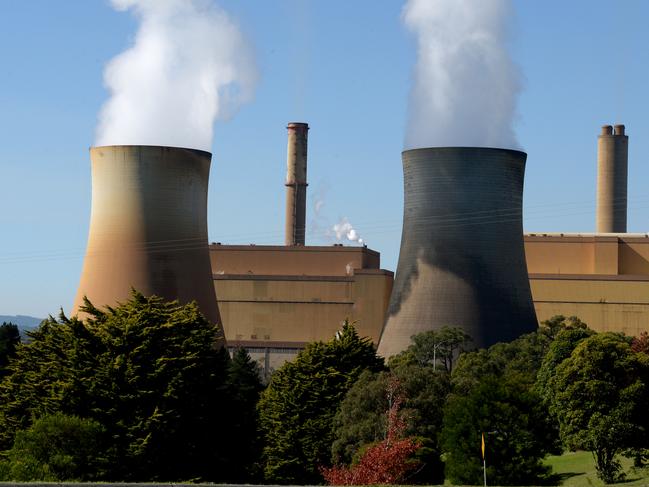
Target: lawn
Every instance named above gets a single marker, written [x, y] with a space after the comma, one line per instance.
[577, 469]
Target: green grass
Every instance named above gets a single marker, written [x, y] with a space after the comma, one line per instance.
[577, 469]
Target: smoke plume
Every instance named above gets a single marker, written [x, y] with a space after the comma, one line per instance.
[344, 230]
[465, 83]
[188, 66]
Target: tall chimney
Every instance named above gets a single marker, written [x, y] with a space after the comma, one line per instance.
[148, 227]
[296, 183]
[612, 171]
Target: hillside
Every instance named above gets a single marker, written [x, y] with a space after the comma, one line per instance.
[23, 322]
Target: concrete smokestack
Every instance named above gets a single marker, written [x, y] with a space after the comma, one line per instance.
[148, 227]
[462, 260]
[296, 183]
[612, 174]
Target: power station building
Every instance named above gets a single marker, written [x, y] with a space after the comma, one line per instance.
[149, 231]
[275, 299]
[601, 278]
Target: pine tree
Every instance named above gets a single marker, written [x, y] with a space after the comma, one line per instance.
[149, 371]
[244, 387]
[9, 340]
[297, 409]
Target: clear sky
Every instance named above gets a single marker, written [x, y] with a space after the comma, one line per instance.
[342, 66]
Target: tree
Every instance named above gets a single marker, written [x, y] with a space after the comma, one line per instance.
[495, 390]
[518, 361]
[9, 340]
[437, 348]
[557, 323]
[148, 371]
[57, 448]
[513, 421]
[241, 422]
[388, 461]
[361, 419]
[599, 395]
[297, 408]
[640, 344]
[565, 341]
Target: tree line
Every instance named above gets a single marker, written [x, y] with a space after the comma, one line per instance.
[142, 392]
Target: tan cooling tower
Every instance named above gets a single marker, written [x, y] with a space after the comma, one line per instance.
[296, 183]
[148, 227]
[612, 168]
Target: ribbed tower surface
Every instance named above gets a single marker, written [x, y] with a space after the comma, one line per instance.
[462, 258]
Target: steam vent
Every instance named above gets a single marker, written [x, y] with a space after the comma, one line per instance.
[148, 227]
[462, 260]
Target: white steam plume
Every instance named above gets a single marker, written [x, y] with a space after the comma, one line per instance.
[465, 82]
[188, 66]
[344, 229]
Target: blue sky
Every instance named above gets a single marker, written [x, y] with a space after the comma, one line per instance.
[345, 68]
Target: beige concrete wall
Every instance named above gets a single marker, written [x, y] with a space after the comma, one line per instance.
[590, 254]
[627, 318]
[602, 279]
[292, 309]
[566, 257]
[291, 261]
[634, 257]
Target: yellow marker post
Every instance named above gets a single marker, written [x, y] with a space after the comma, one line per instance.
[484, 463]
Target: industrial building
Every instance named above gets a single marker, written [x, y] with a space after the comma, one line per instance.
[275, 299]
[601, 278]
[464, 259]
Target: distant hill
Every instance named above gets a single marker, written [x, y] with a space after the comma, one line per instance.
[23, 322]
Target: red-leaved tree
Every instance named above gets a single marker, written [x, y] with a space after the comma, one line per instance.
[387, 462]
[641, 344]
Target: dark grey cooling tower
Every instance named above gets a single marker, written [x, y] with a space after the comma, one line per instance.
[462, 260]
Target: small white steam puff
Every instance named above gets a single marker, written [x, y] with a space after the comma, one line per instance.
[344, 229]
[188, 66]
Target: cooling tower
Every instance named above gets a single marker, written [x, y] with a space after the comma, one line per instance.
[296, 183]
[612, 168]
[148, 227]
[462, 260]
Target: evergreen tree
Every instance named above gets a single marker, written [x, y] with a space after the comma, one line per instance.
[510, 415]
[297, 409]
[9, 340]
[241, 424]
[495, 390]
[148, 371]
